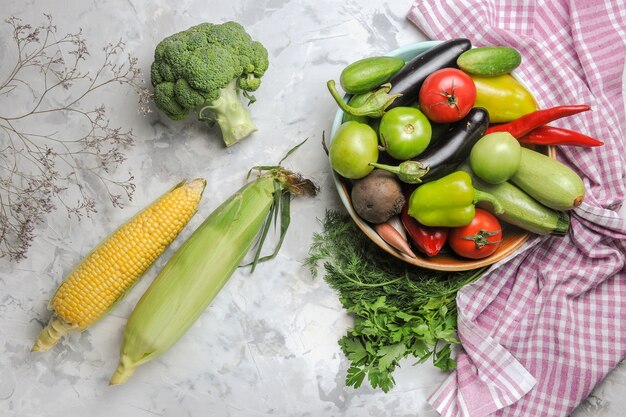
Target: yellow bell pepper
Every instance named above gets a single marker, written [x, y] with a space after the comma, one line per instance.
[503, 97]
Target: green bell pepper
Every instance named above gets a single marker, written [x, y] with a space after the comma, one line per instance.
[448, 201]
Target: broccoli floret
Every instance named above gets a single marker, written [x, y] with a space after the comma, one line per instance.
[203, 69]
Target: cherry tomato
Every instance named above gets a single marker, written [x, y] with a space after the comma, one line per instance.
[447, 95]
[478, 239]
[352, 149]
[404, 132]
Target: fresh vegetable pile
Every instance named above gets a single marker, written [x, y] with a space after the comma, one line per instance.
[192, 277]
[460, 133]
[437, 154]
[202, 68]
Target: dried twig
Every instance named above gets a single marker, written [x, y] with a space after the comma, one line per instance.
[40, 169]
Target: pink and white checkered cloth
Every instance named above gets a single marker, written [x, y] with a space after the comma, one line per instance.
[541, 329]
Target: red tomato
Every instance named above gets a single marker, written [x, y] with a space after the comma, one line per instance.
[447, 95]
[478, 239]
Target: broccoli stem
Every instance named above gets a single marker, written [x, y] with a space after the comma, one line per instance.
[231, 115]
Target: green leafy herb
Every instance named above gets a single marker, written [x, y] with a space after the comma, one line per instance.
[400, 310]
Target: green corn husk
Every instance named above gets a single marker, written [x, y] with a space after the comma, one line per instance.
[199, 269]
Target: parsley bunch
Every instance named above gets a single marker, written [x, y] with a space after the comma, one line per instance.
[400, 310]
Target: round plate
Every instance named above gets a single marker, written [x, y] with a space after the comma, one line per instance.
[512, 239]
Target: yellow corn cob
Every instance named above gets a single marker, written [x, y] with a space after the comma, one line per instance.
[117, 263]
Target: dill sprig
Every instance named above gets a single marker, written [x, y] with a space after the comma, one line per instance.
[400, 310]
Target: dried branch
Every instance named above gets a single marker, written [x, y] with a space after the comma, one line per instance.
[41, 170]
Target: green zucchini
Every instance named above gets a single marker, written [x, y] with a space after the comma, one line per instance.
[520, 209]
[489, 61]
[368, 73]
[549, 181]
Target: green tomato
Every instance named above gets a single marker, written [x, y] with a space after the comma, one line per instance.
[353, 148]
[496, 157]
[405, 132]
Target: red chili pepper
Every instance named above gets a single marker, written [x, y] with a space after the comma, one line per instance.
[521, 126]
[550, 135]
[428, 240]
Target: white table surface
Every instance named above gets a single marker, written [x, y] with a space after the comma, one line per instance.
[268, 344]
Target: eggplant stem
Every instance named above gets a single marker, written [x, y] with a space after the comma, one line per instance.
[374, 106]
